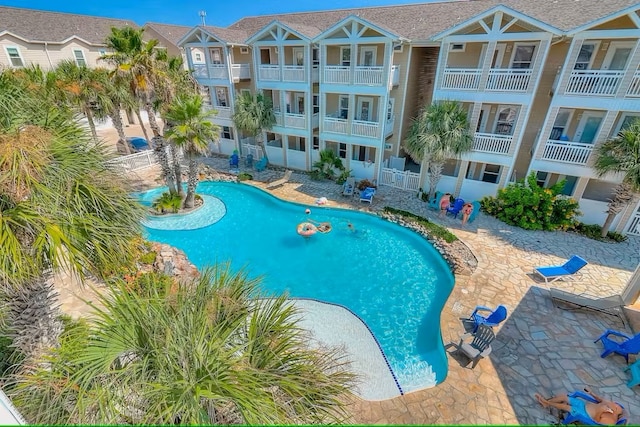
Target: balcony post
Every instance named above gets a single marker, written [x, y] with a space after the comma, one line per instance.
[475, 116]
[630, 72]
[442, 63]
[228, 54]
[188, 54]
[281, 61]
[486, 64]
[569, 63]
[386, 64]
[545, 133]
[352, 62]
[207, 60]
[351, 112]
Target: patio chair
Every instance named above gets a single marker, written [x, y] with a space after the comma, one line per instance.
[475, 211]
[581, 417]
[455, 208]
[234, 161]
[280, 181]
[634, 368]
[349, 186]
[261, 165]
[624, 347]
[609, 305]
[367, 194]
[556, 272]
[494, 318]
[479, 346]
[435, 202]
[248, 161]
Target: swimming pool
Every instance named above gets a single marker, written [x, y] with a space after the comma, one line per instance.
[389, 276]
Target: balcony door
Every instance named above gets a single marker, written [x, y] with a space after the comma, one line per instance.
[298, 56]
[588, 126]
[618, 55]
[522, 56]
[265, 56]
[215, 54]
[365, 109]
[496, 59]
[368, 56]
[505, 120]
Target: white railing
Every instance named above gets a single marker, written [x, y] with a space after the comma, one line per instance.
[218, 71]
[634, 88]
[278, 115]
[254, 150]
[509, 80]
[492, 143]
[200, 70]
[315, 74]
[404, 180]
[365, 128]
[461, 78]
[336, 74]
[368, 76]
[295, 120]
[634, 225]
[576, 153]
[241, 71]
[394, 77]
[269, 72]
[335, 125]
[293, 73]
[388, 126]
[315, 120]
[134, 162]
[594, 82]
[223, 112]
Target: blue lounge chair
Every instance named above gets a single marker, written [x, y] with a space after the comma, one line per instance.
[261, 165]
[367, 194]
[435, 202]
[628, 345]
[635, 373]
[582, 417]
[234, 160]
[455, 208]
[349, 186]
[569, 268]
[494, 318]
[475, 211]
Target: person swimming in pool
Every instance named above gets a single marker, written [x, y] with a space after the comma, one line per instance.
[604, 411]
[351, 227]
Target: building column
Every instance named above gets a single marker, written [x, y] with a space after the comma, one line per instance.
[569, 63]
[443, 57]
[486, 64]
[578, 191]
[630, 72]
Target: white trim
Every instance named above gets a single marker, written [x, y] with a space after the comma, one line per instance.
[6, 50]
[483, 118]
[398, 48]
[362, 100]
[606, 63]
[596, 47]
[627, 11]
[342, 48]
[536, 45]
[583, 122]
[501, 108]
[374, 56]
[463, 47]
[244, 50]
[354, 18]
[403, 103]
[618, 127]
[270, 26]
[294, 51]
[76, 59]
[10, 415]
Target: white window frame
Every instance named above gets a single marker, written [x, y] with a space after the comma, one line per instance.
[484, 172]
[76, 59]
[197, 56]
[228, 132]
[398, 48]
[244, 50]
[102, 52]
[6, 49]
[543, 183]
[462, 48]
[596, 46]
[342, 62]
[374, 55]
[496, 120]
[623, 117]
[391, 104]
[315, 100]
[225, 92]
[340, 107]
[566, 125]
[213, 61]
[295, 51]
[536, 46]
[315, 56]
[315, 143]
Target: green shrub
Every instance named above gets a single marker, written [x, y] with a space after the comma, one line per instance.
[149, 258]
[528, 206]
[327, 166]
[245, 176]
[168, 202]
[342, 178]
[316, 175]
[433, 230]
[593, 231]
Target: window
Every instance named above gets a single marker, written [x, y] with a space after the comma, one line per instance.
[491, 173]
[298, 56]
[198, 57]
[316, 104]
[297, 143]
[345, 56]
[542, 178]
[79, 56]
[243, 91]
[362, 153]
[558, 133]
[102, 52]
[226, 133]
[457, 47]
[583, 62]
[216, 55]
[315, 143]
[523, 56]
[626, 121]
[569, 185]
[505, 120]
[390, 105]
[14, 56]
[244, 50]
[398, 48]
[342, 151]
[315, 56]
[343, 107]
[221, 96]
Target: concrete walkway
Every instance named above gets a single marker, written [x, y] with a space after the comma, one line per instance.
[539, 348]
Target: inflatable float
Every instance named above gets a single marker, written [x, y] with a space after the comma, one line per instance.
[306, 229]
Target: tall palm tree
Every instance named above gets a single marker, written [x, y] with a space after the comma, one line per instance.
[439, 132]
[119, 97]
[60, 207]
[191, 131]
[206, 352]
[620, 154]
[253, 115]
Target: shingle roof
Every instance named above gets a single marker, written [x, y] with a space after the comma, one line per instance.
[425, 20]
[172, 33]
[229, 35]
[55, 27]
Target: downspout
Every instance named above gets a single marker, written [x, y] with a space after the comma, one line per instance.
[46, 51]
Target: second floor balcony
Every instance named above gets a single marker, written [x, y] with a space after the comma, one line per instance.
[492, 143]
[575, 153]
[223, 112]
[221, 72]
[291, 120]
[498, 79]
[360, 128]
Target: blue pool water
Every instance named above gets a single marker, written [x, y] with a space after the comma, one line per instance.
[389, 276]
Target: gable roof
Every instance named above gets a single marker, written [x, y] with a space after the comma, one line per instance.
[423, 21]
[229, 35]
[56, 27]
[171, 33]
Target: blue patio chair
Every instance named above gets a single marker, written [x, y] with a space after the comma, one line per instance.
[367, 194]
[582, 417]
[234, 160]
[248, 161]
[635, 373]
[455, 208]
[435, 203]
[261, 165]
[624, 347]
[569, 268]
[475, 211]
[494, 318]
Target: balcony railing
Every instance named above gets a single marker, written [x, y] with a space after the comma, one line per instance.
[394, 78]
[492, 143]
[269, 72]
[278, 115]
[223, 112]
[461, 78]
[634, 89]
[218, 71]
[594, 82]
[509, 80]
[363, 76]
[365, 128]
[368, 76]
[241, 71]
[295, 120]
[335, 125]
[315, 121]
[315, 74]
[576, 153]
[200, 71]
[336, 74]
[293, 73]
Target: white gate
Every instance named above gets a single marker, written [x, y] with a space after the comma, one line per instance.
[633, 227]
[404, 180]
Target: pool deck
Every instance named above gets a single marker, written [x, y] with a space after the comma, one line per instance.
[539, 348]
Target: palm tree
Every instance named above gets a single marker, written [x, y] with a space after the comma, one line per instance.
[192, 132]
[438, 133]
[119, 97]
[205, 352]
[620, 154]
[60, 207]
[252, 116]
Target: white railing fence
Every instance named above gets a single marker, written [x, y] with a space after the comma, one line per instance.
[634, 88]
[509, 80]
[594, 82]
[492, 143]
[403, 180]
[461, 78]
[576, 153]
[133, 162]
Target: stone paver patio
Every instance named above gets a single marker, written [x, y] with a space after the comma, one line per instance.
[539, 348]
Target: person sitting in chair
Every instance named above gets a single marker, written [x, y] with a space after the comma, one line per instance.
[604, 411]
[466, 212]
[445, 202]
